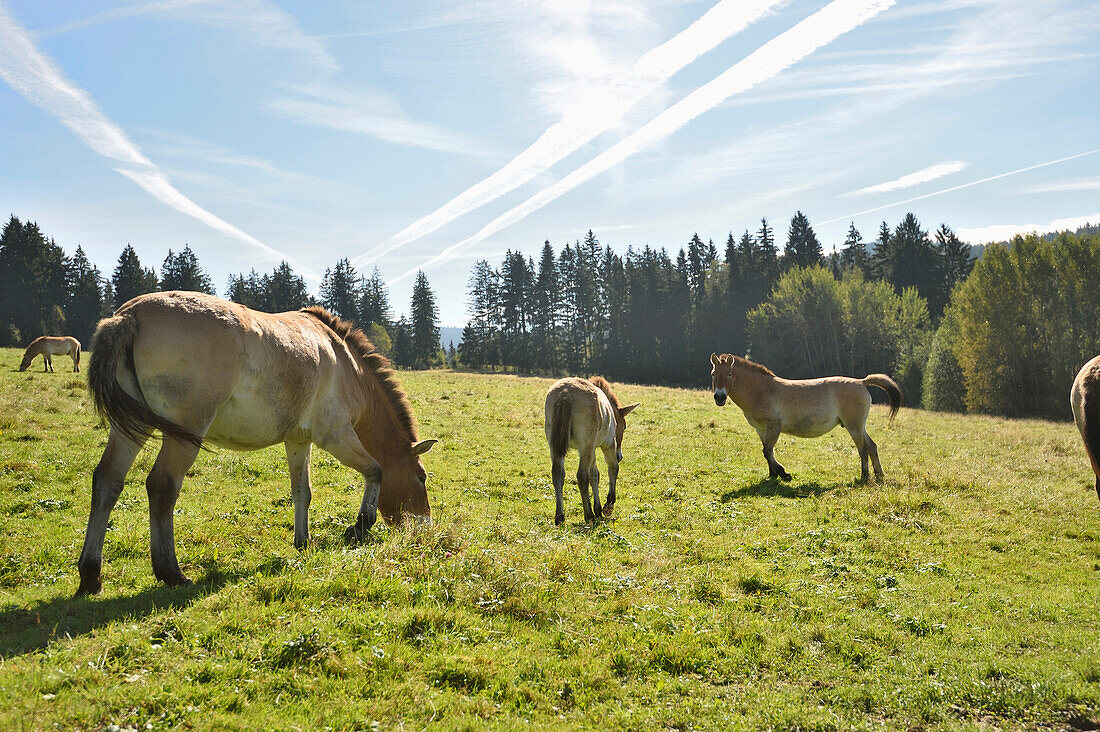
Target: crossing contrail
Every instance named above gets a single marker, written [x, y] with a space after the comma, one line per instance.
[584, 123]
[960, 187]
[35, 76]
[819, 29]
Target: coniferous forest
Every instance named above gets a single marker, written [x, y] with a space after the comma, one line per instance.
[1002, 333]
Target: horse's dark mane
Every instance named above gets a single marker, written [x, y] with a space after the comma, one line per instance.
[746, 364]
[373, 363]
[601, 383]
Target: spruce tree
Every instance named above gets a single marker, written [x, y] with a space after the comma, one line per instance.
[285, 291]
[86, 297]
[130, 279]
[374, 301]
[854, 254]
[182, 272]
[955, 260]
[248, 291]
[803, 249]
[545, 310]
[340, 290]
[424, 331]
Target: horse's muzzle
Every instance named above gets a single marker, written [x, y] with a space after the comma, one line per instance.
[720, 398]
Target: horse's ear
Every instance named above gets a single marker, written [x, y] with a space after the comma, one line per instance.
[714, 359]
[419, 448]
[623, 411]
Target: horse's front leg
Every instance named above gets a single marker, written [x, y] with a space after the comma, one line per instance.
[163, 486]
[609, 456]
[769, 436]
[47, 367]
[297, 459]
[347, 448]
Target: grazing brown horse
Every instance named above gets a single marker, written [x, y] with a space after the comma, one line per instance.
[1084, 397]
[585, 414]
[804, 407]
[204, 370]
[52, 346]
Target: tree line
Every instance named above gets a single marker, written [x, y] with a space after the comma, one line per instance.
[43, 291]
[651, 316]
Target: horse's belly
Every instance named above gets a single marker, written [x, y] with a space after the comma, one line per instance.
[810, 427]
[251, 425]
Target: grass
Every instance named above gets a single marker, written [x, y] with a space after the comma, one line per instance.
[961, 594]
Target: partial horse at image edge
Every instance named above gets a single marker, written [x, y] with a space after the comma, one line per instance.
[1084, 398]
[585, 414]
[207, 371]
[801, 407]
[49, 346]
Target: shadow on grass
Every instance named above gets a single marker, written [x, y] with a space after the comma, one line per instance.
[776, 487]
[24, 630]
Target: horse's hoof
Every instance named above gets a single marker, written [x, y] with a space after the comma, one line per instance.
[559, 519]
[785, 476]
[608, 507]
[89, 588]
[177, 580]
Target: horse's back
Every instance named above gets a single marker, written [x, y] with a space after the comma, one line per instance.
[248, 376]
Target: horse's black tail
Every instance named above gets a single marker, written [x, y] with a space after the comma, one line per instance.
[112, 350]
[893, 391]
[76, 357]
[561, 427]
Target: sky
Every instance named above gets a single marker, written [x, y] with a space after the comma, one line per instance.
[428, 135]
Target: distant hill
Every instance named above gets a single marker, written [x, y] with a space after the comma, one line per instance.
[977, 250]
[448, 334]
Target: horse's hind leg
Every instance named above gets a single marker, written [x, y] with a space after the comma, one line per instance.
[872, 450]
[297, 459]
[594, 484]
[46, 365]
[557, 473]
[107, 481]
[163, 486]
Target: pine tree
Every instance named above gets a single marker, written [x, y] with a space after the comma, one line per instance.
[424, 333]
[374, 301]
[285, 291]
[85, 285]
[130, 279]
[955, 261]
[248, 291]
[182, 272]
[544, 322]
[854, 254]
[340, 290]
[402, 343]
[33, 273]
[803, 249]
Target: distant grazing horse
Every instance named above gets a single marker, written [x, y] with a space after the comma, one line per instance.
[804, 407]
[52, 346]
[204, 370]
[1084, 397]
[585, 414]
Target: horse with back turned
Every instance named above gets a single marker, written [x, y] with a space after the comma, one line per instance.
[202, 370]
[585, 414]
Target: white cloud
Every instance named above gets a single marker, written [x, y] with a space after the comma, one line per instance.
[923, 175]
[1070, 185]
[594, 113]
[1004, 232]
[960, 187]
[261, 21]
[821, 28]
[368, 113]
[41, 82]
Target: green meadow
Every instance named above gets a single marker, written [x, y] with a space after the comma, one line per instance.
[963, 593]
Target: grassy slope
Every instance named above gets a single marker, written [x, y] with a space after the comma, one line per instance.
[961, 593]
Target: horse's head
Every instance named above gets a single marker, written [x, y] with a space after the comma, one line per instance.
[721, 377]
[404, 486]
[27, 358]
[620, 427]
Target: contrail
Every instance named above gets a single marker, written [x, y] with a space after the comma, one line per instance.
[35, 76]
[960, 187]
[777, 54]
[924, 175]
[580, 126]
